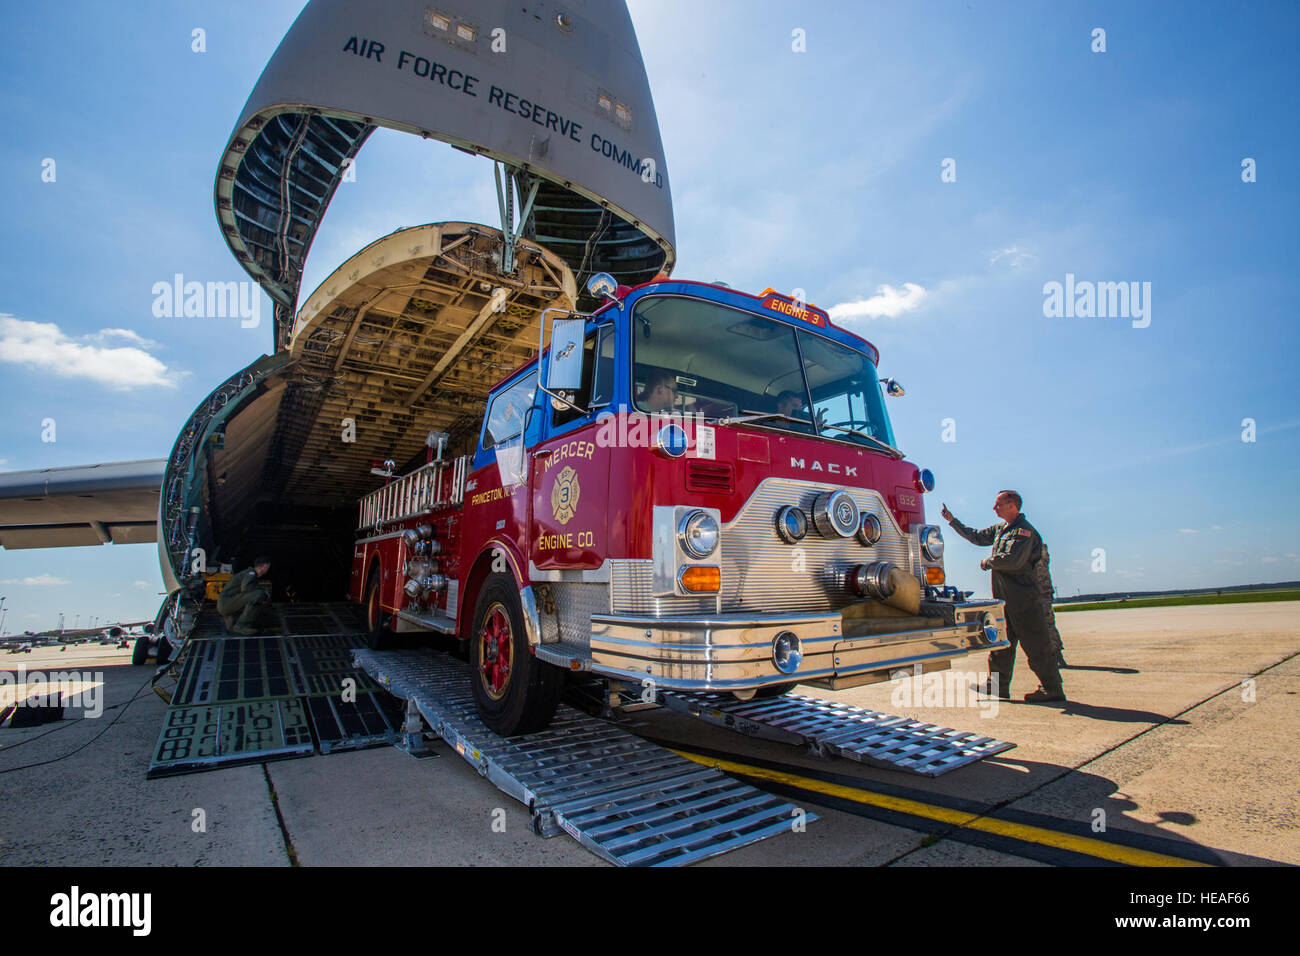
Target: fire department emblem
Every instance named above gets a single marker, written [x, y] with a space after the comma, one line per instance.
[564, 495]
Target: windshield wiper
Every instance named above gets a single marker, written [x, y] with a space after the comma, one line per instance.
[749, 416]
[893, 452]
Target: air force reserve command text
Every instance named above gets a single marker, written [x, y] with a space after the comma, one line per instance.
[525, 109]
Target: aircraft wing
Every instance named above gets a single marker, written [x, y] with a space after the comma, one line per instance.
[115, 502]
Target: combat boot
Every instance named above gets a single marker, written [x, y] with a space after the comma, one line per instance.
[986, 688]
[244, 630]
[1042, 696]
[230, 620]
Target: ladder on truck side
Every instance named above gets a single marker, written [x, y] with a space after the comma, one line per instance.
[435, 485]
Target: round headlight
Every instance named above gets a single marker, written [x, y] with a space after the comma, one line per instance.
[931, 543]
[791, 524]
[868, 530]
[787, 652]
[923, 480]
[835, 514]
[698, 534]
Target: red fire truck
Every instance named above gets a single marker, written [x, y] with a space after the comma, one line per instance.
[692, 489]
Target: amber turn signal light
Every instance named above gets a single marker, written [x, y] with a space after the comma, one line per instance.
[701, 579]
[934, 576]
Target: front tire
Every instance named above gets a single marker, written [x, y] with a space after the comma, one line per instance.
[773, 691]
[514, 692]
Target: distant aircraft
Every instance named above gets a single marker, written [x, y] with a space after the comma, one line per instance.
[408, 340]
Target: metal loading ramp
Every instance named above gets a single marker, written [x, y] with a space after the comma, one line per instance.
[834, 730]
[627, 800]
[242, 699]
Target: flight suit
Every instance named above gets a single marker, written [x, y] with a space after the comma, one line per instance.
[1017, 548]
[1043, 577]
[243, 594]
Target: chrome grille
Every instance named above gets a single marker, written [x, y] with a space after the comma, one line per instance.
[756, 564]
[632, 587]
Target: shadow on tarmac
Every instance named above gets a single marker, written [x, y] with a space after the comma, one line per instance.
[1119, 715]
[1079, 804]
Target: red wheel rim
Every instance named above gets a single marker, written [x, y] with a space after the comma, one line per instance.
[494, 651]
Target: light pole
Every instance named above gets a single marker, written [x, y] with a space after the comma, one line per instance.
[3, 611]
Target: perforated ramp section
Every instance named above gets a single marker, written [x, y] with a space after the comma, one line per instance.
[289, 692]
[629, 801]
[854, 733]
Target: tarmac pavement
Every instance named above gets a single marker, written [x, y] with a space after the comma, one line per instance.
[1177, 743]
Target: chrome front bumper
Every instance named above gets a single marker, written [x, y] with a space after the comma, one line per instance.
[734, 652]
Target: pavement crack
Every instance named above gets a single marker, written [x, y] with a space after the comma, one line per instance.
[290, 852]
[935, 836]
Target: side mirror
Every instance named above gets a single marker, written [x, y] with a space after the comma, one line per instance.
[602, 286]
[892, 388]
[564, 373]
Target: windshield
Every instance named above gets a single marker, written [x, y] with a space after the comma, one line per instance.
[699, 358]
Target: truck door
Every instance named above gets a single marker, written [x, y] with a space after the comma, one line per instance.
[570, 472]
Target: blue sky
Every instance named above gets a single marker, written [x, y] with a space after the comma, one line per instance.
[818, 170]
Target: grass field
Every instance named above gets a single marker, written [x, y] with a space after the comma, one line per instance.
[1175, 600]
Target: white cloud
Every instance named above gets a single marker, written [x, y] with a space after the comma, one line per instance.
[1270, 560]
[40, 579]
[888, 302]
[127, 334]
[44, 346]
[1188, 531]
[142, 585]
[1015, 257]
[1216, 527]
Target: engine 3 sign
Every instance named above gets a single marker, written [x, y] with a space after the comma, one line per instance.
[564, 495]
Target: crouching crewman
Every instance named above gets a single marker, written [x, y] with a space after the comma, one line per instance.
[245, 595]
